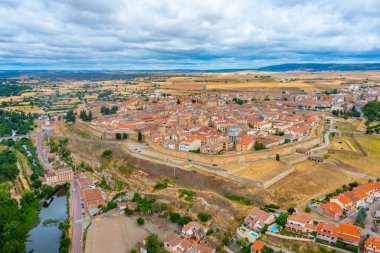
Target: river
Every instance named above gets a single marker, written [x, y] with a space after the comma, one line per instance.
[46, 238]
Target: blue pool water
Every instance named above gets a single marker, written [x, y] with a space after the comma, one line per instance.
[274, 229]
[253, 234]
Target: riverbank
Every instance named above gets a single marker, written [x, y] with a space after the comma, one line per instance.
[48, 230]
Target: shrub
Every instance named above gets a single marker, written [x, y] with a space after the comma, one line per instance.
[128, 211]
[107, 153]
[204, 216]
[184, 220]
[140, 221]
[160, 186]
[282, 218]
[174, 217]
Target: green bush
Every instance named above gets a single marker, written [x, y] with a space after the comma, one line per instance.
[204, 216]
[237, 198]
[128, 211]
[140, 221]
[174, 217]
[107, 153]
[184, 220]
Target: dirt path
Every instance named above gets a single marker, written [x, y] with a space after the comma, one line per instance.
[21, 176]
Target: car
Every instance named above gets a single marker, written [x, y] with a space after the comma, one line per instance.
[373, 229]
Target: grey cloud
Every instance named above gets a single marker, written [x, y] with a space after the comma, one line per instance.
[155, 34]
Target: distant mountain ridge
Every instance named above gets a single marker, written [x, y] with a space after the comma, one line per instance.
[314, 67]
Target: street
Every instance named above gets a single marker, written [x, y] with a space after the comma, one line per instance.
[75, 200]
[76, 216]
[41, 155]
[368, 223]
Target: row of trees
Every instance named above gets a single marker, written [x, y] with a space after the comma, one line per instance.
[70, 116]
[350, 113]
[120, 136]
[107, 111]
[84, 116]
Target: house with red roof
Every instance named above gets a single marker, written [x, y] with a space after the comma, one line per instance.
[257, 247]
[332, 210]
[257, 219]
[246, 143]
[372, 244]
[194, 230]
[327, 232]
[344, 201]
[349, 233]
[300, 222]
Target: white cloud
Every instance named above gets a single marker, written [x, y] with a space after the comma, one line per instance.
[155, 34]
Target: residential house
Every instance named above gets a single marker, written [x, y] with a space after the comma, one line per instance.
[189, 144]
[332, 210]
[372, 244]
[172, 242]
[344, 201]
[300, 222]
[349, 233]
[201, 248]
[257, 247]
[257, 219]
[194, 230]
[327, 232]
[246, 144]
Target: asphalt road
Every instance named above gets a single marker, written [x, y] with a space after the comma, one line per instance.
[76, 216]
[41, 155]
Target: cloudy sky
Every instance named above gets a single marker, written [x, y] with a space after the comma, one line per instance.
[196, 34]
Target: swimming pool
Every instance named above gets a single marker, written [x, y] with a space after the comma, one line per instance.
[243, 229]
[254, 234]
[274, 229]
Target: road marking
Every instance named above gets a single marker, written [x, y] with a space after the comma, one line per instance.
[79, 221]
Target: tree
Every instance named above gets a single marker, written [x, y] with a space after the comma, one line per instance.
[174, 217]
[259, 146]
[140, 221]
[125, 136]
[139, 135]
[226, 241]
[282, 218]
[70, 117]
[27, 197]
[184, 220]
[360, 217]
[128, 212]
[153, 244]
[111, 205]
[264, 229]
[277, 157]
[118, 136]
